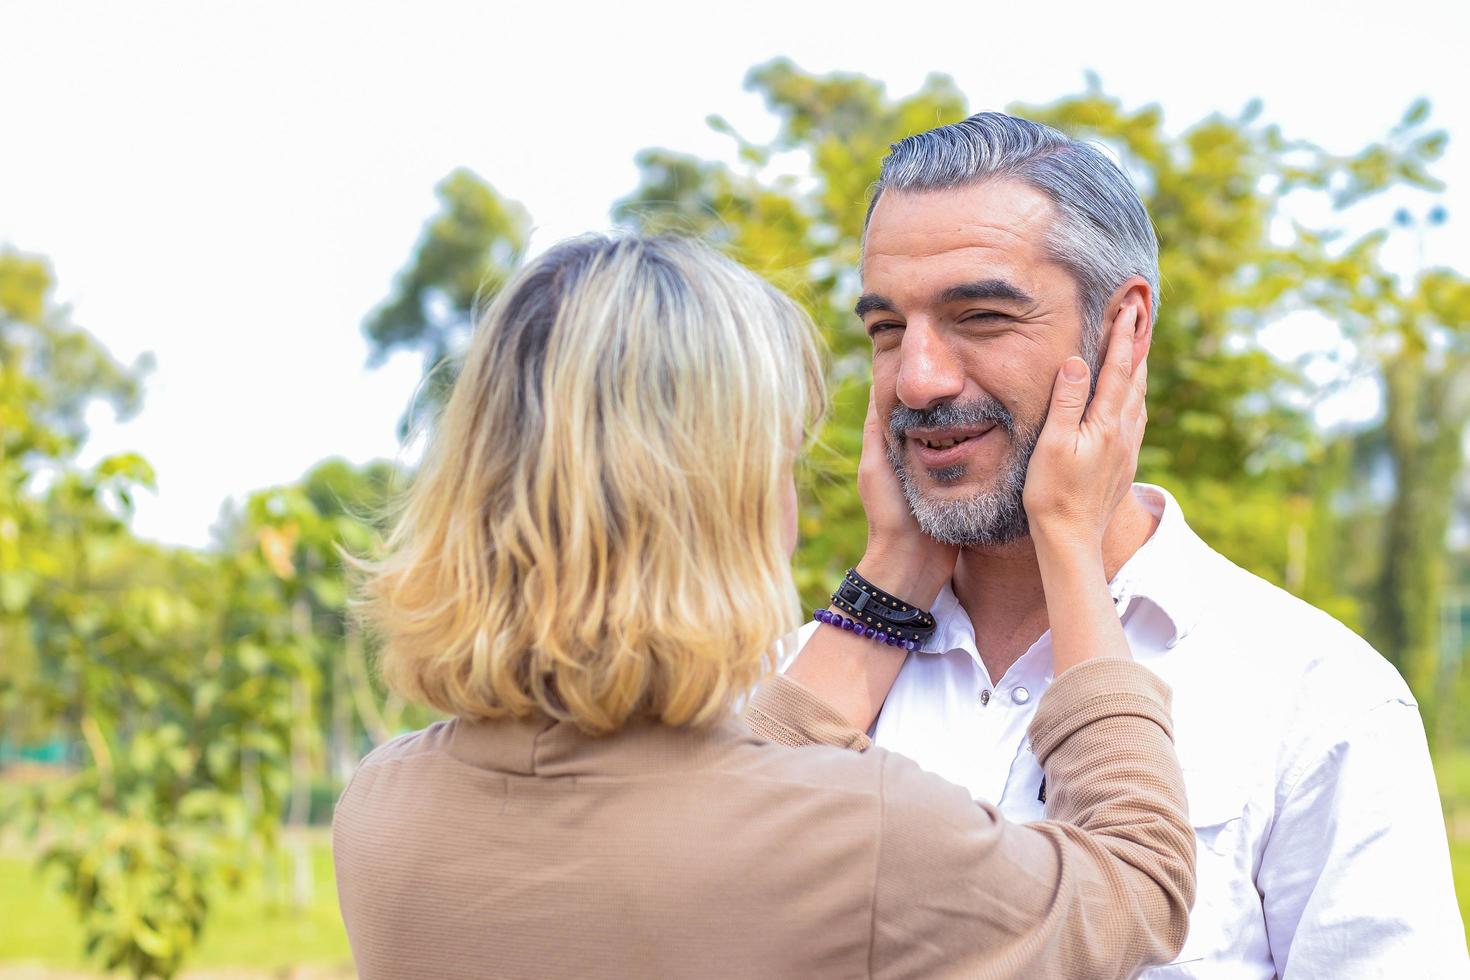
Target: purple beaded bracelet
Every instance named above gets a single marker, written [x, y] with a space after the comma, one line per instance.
[853, 626]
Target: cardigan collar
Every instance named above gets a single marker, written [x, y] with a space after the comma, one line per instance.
[541, 746]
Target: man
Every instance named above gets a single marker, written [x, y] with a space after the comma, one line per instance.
[995, 249]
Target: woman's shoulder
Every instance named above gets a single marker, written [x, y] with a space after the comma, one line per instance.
[404, 767]
[432, 740]
[814, 766]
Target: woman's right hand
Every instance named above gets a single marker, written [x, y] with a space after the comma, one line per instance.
[900, 559]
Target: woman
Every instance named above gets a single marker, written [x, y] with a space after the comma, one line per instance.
[592, 569]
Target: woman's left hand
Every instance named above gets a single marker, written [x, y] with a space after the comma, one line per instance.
[1087, 454]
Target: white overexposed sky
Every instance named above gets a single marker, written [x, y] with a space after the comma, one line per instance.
[232, 186]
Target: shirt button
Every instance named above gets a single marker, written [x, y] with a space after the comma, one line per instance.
[1020, 695]
[984, 697]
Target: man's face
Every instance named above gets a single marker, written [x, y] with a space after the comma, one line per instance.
[970, 321]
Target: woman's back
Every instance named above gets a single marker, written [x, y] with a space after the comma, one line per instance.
[530, 849]
[514, 849]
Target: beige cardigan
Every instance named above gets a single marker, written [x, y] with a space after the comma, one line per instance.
[529, 849]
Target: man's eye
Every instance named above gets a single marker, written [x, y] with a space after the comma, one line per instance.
[984, 315]
[883, 326]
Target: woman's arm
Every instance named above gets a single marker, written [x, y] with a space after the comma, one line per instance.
[1104, 888]
[1101, 890]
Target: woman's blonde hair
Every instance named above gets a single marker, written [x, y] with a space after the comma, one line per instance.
[596, 531]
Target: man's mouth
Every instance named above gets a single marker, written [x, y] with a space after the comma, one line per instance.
[947, 439]
[944, 443]
[939, 449]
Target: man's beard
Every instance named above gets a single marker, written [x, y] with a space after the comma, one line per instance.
[990, 517]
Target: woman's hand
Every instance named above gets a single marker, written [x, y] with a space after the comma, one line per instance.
[1086, 455]
[1082, 467]
[900, 558]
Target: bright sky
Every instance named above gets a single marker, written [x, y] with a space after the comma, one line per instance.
[232, 187]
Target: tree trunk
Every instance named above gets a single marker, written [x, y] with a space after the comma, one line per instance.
[362, 689]
[344, 754]
[299, 815]
[1426, 417]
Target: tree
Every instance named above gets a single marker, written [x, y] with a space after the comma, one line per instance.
[49, 372]
[465, 252]
[196, 686]
[148, 656]
[1426, 380]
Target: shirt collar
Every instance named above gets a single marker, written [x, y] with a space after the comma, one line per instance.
[1170, 570]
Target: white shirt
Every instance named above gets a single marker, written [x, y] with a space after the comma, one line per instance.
[1321, 845]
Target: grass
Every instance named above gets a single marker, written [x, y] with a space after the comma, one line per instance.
[248, 929]
[36, 923]
[1452, 770]
[1460, 861]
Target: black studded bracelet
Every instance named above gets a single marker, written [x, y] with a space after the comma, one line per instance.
[870, 606]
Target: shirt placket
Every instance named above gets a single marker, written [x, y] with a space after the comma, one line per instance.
[1001, 713]
[1014, 700]
[1024, 795]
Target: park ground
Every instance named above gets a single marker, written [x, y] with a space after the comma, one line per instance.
[251, 934]
[255, 935]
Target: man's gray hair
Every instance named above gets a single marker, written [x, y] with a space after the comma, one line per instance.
[1102, 233]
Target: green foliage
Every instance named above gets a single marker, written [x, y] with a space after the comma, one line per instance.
[1426, 374]
[102, 635]
[249, 930]
[53, 367]
[466, 251]
[139, 889]
[188, 679]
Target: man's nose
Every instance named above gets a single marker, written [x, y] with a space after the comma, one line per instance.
[928, 371]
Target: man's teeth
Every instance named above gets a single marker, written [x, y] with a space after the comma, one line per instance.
[943, 443]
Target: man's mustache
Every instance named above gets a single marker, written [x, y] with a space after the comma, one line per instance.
[985, 411]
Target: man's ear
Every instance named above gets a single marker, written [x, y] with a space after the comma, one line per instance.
[1135, 293]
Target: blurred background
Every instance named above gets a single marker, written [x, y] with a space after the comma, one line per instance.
[241, 246]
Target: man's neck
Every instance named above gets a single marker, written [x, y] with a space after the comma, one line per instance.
[1000, 588]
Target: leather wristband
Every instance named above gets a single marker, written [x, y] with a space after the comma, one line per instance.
[870, 605]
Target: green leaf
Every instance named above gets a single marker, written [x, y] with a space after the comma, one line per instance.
[1417, 112]
[130, 466]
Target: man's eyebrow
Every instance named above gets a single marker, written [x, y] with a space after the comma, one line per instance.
[869, 302]
[984, 289]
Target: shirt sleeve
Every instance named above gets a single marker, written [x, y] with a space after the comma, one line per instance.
[1101, 890]
[785, 712]
[1355, 875]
